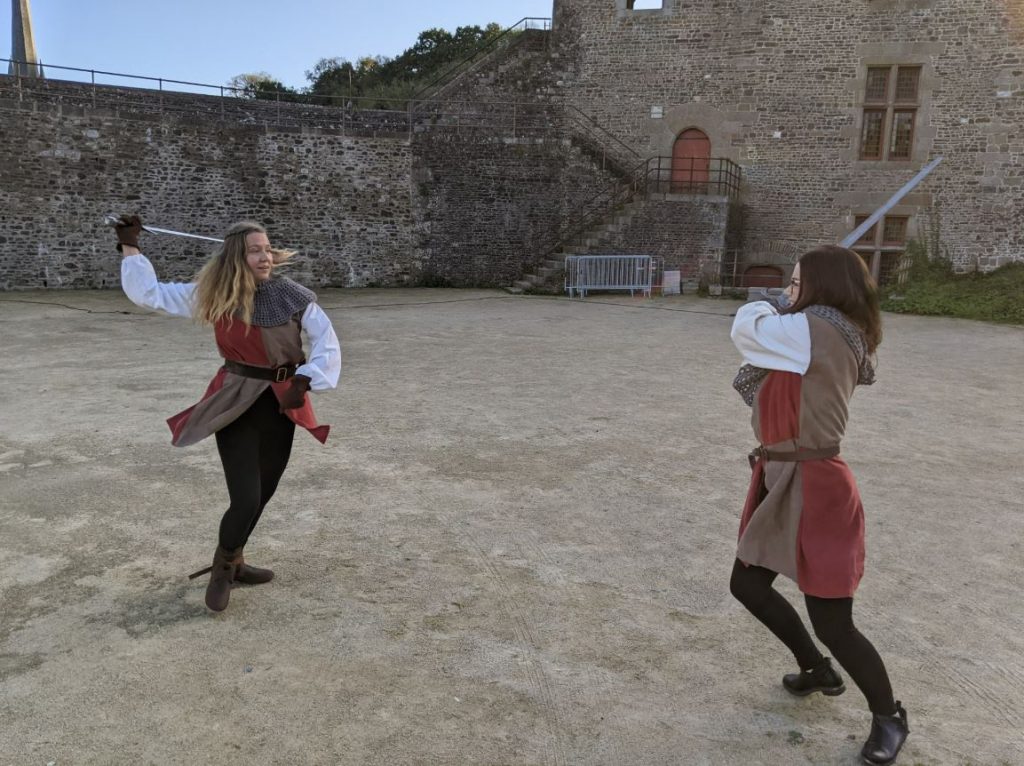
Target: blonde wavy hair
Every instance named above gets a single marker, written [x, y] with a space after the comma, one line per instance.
[225, 286]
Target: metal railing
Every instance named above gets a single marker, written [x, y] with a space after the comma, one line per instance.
[350, 116]
[482, 52]
[694, 175]
[635, 273]
[647, 177]
[614, 153]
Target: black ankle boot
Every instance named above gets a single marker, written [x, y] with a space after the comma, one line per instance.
[821, 678]
[888, 733]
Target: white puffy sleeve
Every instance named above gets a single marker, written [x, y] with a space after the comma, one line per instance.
[139, 282]
[772, 341]
[324, 366]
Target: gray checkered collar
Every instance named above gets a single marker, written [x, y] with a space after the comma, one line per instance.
[278, 300]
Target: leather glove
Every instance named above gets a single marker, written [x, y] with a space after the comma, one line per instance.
[128, 230]
[295, 395]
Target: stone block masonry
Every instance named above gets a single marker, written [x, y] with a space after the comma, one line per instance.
[488, 209]
[688, 232]
[343, 202]
[449, 208]
[779, 87]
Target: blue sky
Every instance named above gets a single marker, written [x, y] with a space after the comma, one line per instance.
[211, 41]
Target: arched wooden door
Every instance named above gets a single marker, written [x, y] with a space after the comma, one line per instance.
[691, 162]
[762, 276]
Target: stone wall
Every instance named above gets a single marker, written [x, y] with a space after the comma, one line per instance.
[491, 208]
[344, 202]
[477, 196]
[688, 232]
[780, 90]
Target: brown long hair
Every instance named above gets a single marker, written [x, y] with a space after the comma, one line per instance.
[225, 286]
[835, 276]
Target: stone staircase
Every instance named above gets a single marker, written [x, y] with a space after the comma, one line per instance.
[548, 277]
[501, 70]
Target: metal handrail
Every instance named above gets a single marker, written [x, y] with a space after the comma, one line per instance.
[485, 48]
[694, 175]
[515, 118]
[228, 91]
[590, 123]
[642, 180]
[600, 205]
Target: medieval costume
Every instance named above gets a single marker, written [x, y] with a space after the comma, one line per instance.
[803, 516]
[242, 403]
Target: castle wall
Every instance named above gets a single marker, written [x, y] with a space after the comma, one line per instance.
[780, 90]
[344, 202]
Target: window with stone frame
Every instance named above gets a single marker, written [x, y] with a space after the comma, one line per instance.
[891, 103]
[645, 5]
[883, 247]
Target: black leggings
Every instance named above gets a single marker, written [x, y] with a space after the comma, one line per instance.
[254, 451]
[832, 619]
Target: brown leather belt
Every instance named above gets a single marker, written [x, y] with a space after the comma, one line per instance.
[276, 374]
[791, 456]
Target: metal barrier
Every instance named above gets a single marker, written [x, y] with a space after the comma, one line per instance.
[610, 272]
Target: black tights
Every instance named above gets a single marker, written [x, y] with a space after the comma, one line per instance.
[832, 619]
[254, 451]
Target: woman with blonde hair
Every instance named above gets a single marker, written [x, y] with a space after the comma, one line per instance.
[803, 516]
[259, 395]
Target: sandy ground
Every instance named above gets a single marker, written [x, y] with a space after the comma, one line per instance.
[514, 549]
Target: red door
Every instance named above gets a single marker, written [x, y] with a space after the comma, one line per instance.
[691, 162]
[762, 276]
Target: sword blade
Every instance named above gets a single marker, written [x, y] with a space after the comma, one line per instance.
[872, 219]
[113, 220]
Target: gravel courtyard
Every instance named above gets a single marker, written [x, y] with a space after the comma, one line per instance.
[514, 549]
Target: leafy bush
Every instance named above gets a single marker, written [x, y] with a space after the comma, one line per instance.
[932, 288]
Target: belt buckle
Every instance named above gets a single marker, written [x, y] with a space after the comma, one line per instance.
[281, 375]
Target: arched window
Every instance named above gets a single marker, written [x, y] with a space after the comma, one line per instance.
[691, 162]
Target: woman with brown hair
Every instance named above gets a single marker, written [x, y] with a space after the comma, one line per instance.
[259, 395]
[803, 516]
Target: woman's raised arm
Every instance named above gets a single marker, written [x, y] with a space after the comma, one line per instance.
[772, 341]
[138, 279]
[139, 282]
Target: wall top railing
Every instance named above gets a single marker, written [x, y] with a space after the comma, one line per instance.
[484, 49]
[165, 84]
[352, 116]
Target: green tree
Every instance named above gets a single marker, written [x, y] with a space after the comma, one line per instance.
[262, 86]
[377, 81]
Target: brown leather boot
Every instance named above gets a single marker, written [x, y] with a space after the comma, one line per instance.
[250, 575]
[222, 574]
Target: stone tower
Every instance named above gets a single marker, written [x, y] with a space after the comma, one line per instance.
[23, 47]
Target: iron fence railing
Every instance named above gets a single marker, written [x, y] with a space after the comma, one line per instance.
[350, 116]
[646, 177]
[694, 175]
[636, 273]
[612, 152]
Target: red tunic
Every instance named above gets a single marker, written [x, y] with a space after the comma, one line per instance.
[229, 395]
[805, 520]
